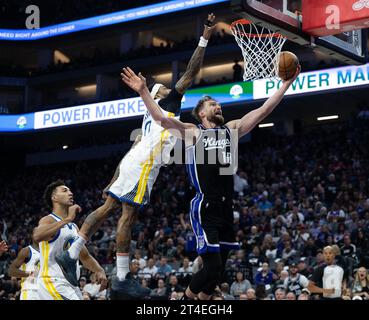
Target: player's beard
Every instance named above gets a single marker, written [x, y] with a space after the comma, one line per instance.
[217, 119]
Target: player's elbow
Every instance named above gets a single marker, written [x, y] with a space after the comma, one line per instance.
[158, 118]
[164, 122]
[37, 236]
[12, 271]
[85, 257]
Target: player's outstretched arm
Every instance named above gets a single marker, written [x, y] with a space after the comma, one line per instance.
[48, 227]
[250, 120]
[16, 264]
[138, 84]
[90, 263]
[195, 63]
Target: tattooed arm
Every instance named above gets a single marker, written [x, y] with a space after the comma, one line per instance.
[196, 60]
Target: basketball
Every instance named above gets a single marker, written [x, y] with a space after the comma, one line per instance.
[288, 63]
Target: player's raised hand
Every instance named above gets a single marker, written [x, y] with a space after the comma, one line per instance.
[3, 247]
[134, 81]
[209, 26]
[101, 280]
[72, 212]
[290, 81]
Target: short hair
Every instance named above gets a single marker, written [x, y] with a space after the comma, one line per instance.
[200, 104]
[280, 289]
[50, 190]
[224, 286]
[329, 248]
[336, 250]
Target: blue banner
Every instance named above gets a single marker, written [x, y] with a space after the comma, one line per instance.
[104, 20]
[17, 123]
[226, 94]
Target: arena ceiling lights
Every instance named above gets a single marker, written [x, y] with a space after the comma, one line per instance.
[327, 118]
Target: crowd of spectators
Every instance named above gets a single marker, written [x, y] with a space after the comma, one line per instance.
[293, 196]
[108, 56]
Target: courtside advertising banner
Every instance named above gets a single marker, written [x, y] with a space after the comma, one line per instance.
[322, 80]
[226, 94]
[109, 110]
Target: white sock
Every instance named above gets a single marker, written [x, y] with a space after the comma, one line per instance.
[76, 247]
[122, 267]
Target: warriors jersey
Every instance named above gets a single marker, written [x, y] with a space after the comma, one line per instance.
[29, 285]
[51, 276]
[141, 165]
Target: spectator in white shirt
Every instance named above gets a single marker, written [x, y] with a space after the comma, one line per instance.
[240, 183]
[141, 261]
[93, 289]
[240, 285]
[295, 214]
[186, 269]
[150, 270]
[336, 214]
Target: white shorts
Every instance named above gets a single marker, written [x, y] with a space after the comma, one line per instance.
[29, 294]
[57, 289]
[135, 181]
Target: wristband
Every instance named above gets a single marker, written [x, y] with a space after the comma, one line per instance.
[203, 42]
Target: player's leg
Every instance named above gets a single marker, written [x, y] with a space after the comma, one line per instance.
[123, 238]
[204, 281]
[95, 219]
[44, 292]
[67, 259]
[122, 288]
[139, 184]
[209, 288]
[224, 253]
[227, 239]
[66, 291]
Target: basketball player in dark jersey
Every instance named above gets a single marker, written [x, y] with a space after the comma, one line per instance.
[211, 161]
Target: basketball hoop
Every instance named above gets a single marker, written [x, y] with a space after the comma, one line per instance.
[260, 49]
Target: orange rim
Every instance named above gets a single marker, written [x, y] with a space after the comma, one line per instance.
[240, 21]
[253, 35]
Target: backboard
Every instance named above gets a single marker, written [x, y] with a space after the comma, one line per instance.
[287, 17]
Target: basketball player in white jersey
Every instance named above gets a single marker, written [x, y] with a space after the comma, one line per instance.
[54, 234]
[26, 266]
[137, 172]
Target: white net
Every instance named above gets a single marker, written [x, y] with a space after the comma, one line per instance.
[260, 49]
